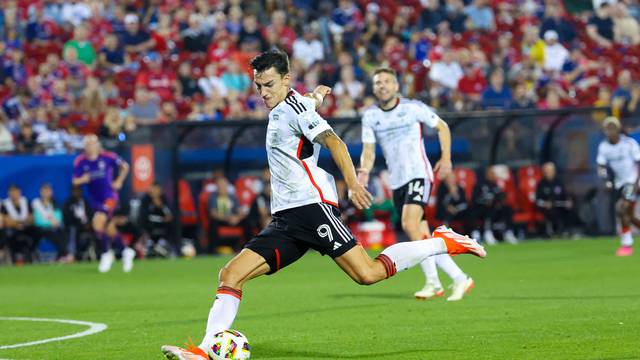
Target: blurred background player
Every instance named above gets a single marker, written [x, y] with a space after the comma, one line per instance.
[104, 173]
[396, 123]
[620, 154]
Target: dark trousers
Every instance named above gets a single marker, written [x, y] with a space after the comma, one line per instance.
[462, 218]
[57, 237]
[22, 243]
[500, 215]
[559, 219]
[83, 240]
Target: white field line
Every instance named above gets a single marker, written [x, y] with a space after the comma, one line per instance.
[94, 328]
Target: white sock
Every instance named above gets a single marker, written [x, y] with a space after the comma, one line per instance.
[626, 239]
[222, 313]
[431, 271]
[403, 256]
[446, 263]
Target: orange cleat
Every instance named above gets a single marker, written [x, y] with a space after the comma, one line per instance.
[459, 244]
[177, 353]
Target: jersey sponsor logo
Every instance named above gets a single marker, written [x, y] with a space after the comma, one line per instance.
[292, 101]
[313, 124]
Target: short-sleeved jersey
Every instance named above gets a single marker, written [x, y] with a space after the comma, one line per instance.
[622, 157]
[399, 133]
[296, 179]
[102, 172]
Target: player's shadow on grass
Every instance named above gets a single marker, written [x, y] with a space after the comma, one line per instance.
[372, 296]
[561, 297]
[288, 353]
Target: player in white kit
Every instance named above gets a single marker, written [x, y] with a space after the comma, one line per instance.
[304, 205]
[621, 155]
[396, 124]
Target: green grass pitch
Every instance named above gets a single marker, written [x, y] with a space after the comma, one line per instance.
[537, 300]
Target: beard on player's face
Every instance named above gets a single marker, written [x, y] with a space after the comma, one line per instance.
[385, 89]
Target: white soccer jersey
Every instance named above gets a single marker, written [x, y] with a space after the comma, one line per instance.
[399, 132]
[622, 158]
[296, 179]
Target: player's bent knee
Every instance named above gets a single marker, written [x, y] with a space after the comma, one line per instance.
[228, 276]
[367, 277]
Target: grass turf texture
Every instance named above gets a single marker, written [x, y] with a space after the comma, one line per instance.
[538, 300]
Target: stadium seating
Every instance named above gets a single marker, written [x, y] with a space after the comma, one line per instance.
[526, 212]
[188, 211]
[208, 187]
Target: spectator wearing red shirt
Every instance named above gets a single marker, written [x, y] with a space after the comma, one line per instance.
[279, 27]
[158, 80]
[472, 83]
[99, 26]
[165, 35]
[222, 47]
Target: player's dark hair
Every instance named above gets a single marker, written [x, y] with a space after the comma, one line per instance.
[385, 70]
[271, 59]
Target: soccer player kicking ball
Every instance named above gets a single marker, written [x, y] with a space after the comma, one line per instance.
[304, 206]
[621, 154]
[103, 172]
[396, 123]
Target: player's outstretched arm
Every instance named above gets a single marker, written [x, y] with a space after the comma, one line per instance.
[319, 94]
[367, 159]
[81, 180]
[360, 197]
[443, 166]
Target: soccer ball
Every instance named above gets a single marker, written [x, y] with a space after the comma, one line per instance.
[229, 344]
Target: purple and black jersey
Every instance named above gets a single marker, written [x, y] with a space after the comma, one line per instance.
[102, 172]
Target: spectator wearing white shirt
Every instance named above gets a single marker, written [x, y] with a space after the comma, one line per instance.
[53, 139]
[308, 49]
[447, 72]
[348, 85]
[555, 54]
[6, 139]
[75, 12]
[211, 82]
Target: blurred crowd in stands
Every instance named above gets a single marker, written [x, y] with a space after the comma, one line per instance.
[106, 67]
